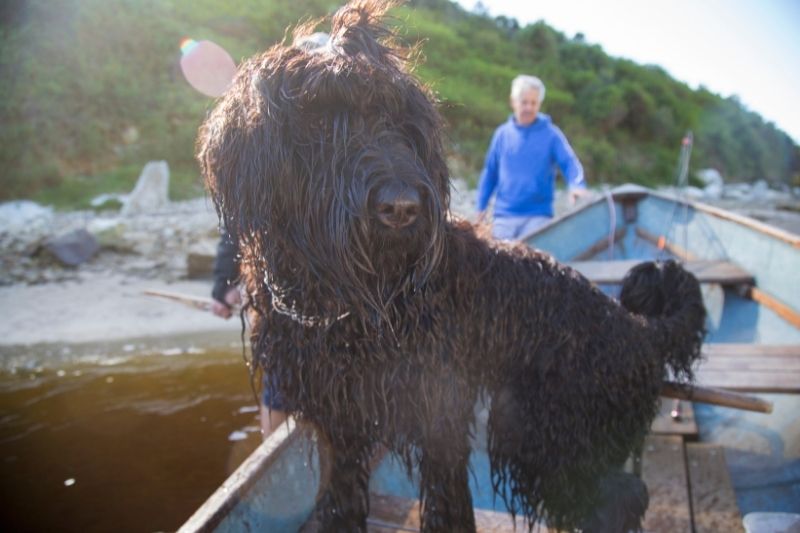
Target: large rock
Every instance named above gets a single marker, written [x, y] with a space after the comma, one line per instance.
[72, 248]
[200, 260]
[23, 215]
[712, 181]
[111, 234]
[152, 190]
[760, 190]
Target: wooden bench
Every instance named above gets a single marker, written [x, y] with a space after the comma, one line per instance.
[751, 367]
[612, 272]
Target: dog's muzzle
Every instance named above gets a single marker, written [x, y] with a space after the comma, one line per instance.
[397, 205]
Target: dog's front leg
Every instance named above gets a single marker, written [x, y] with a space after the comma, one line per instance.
[444, 491]
[343, 500]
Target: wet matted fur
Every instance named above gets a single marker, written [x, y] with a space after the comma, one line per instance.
[384, 333]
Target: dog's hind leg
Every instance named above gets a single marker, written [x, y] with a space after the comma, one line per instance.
[343, 499]
[444, 490]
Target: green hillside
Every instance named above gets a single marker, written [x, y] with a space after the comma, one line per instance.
[92, 90]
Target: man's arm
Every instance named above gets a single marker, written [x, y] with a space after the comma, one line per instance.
[488, 180]
[569, 164]
[226, 272]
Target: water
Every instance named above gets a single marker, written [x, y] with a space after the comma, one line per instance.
[128, 441]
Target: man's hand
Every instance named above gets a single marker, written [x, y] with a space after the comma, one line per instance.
[576, 194]
[232, 299]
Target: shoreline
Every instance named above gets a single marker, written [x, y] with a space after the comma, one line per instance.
[104, 308]
[101, 302]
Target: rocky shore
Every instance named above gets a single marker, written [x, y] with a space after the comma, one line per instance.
[170, 247]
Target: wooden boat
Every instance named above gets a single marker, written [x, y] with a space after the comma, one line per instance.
[751, 286]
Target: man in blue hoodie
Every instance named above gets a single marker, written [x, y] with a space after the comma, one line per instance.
[520, 165]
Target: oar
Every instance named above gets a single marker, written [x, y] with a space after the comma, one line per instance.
[724, 398]
[203, 304]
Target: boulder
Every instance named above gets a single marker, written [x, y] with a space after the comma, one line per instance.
[200, 260]
[111, 234]
[151, 192]
[72, 248]
[712, 181]
[738, 191]
[760, 190]
[23, 215]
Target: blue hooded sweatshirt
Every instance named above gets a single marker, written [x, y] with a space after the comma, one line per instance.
[520, 167]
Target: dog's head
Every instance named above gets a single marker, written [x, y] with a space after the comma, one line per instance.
[325, 157]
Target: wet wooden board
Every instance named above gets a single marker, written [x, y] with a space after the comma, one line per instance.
[664, 473]
[389, 514]
[750, 380]
[755, 363]
[664, 424]
[714, 506]
[751, 367]
[612, 272]
[715, 350]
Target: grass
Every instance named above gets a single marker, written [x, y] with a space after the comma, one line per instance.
[76, 192]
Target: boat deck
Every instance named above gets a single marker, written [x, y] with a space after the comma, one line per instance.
[689, 485]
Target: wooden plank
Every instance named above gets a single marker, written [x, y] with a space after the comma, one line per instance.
[674, 249]
[613, 272]
[601, 245]
[714, 505]
[744, 363]
[750, 380]
[774, 304]
[393, 514]
[751, 367]
[665, 424]
[664, 473]
[724, 272]
[716, 396]
[748, 350]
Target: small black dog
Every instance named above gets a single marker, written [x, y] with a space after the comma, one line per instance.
[382, 320]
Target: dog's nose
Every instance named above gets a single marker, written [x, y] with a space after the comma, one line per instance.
[397, 205]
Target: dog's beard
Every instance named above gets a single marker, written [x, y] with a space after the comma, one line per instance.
[350, 266]
[402, 259]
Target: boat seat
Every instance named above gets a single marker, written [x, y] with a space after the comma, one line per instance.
[751, 367]
[613, 272]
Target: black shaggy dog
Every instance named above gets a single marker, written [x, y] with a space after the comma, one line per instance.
[382, 320]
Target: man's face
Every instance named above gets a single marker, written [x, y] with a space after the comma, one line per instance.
[526, 107]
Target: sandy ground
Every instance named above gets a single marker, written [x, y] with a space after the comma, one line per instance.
[103, 307]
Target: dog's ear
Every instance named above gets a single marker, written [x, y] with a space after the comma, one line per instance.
[242, 146]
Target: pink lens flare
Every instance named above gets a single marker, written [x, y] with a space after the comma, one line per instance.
[207, 67]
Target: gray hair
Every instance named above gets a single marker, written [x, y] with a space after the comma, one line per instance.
[523, 82]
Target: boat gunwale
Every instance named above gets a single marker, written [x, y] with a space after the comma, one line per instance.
[639, 193]
[743, 220]
[230, 494]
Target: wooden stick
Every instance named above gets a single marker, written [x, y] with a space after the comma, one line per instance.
[772, 303]
[203, 304]
[721, 397]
